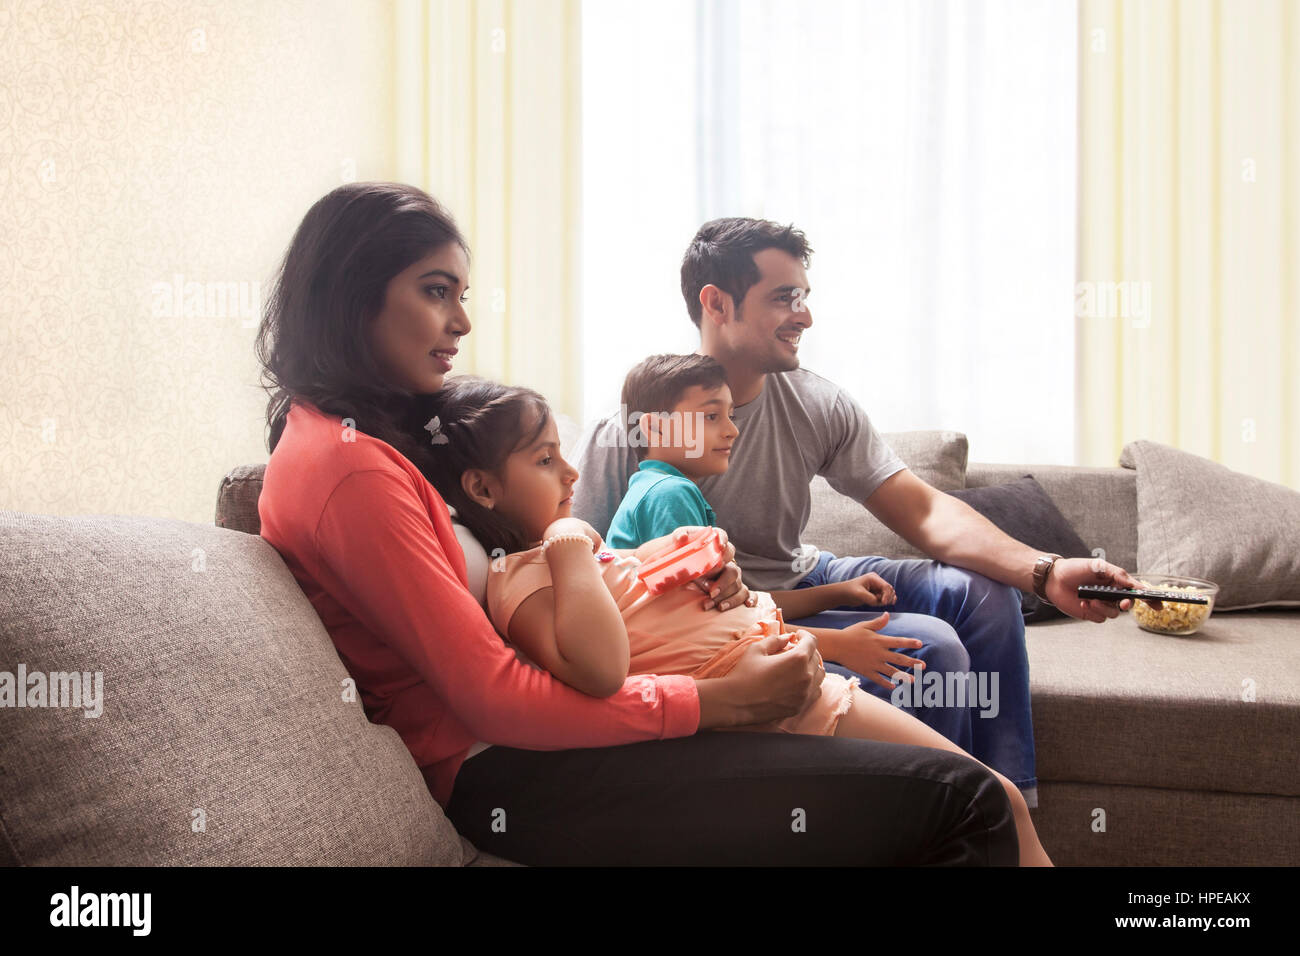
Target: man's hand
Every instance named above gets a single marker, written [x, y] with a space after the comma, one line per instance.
[1068, 574]
[865, 652]
[870, 589]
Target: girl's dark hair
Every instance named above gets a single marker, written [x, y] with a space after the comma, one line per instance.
[483, 423]
[313, 342]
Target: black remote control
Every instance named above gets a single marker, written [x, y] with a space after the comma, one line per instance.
[1098, 592]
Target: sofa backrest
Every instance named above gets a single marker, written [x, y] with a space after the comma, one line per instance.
[1101, 503]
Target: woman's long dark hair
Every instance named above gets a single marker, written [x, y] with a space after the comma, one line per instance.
[313, 343]
[482, 423]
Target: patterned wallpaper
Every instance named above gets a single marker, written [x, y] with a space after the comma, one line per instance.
[154, 161]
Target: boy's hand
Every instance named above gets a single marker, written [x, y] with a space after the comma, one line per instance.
[870, 654]
[725, 588]
[869, 589]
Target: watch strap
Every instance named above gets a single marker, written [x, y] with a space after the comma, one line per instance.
[1042, 567]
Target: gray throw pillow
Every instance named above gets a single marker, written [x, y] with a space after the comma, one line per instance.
[1202, 519]
[845, 528]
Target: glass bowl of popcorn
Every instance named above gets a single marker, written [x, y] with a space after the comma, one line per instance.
[1171, 618]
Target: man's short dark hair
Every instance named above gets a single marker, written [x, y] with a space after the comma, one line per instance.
[722, 254]
[658, 383]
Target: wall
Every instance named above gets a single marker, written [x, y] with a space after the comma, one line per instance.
[147, 147]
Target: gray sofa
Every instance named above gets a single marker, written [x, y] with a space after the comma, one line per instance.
[1144, 734]
[228, 734]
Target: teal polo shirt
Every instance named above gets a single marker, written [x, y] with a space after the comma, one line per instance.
[659, 499]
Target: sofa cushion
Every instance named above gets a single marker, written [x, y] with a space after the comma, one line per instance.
[844, 527]
[1217, 710]
[1204, 520]
[1151, 826]
[223, 704]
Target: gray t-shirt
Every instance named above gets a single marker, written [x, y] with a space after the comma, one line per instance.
[800, 425]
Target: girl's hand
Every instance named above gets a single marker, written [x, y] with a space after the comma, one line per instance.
[871, 655]
[668, 542]
[573, 526]
[869, 589]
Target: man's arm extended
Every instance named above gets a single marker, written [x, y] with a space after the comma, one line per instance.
[949, 530]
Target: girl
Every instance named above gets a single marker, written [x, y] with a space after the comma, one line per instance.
[579, 610]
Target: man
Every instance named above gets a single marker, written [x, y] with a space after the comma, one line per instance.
[746, 289]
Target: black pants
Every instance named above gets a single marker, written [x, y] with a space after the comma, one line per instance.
[735, 798]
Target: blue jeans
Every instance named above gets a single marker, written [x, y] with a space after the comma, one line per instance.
[968, 623]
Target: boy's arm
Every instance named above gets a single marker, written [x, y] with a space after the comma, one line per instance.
[830, 641]
[805, 602]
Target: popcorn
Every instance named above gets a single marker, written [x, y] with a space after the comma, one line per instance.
[1173, 618]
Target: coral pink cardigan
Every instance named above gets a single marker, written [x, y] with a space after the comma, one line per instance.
[371, 544]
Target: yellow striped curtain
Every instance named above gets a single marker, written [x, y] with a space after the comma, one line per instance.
[1189, 231]
[488, 103]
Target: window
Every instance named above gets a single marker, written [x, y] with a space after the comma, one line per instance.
[926, 148]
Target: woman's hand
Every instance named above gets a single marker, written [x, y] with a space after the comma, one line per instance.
[724, 587]
[865, 652]
[772, 680]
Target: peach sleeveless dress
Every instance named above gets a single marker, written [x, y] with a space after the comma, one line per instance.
[671, 633]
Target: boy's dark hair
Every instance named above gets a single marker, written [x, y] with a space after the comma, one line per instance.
[658, 383]
[722, 254]
[481, 424]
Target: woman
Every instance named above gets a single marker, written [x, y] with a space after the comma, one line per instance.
[366, 313]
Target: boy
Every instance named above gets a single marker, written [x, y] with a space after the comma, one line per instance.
[679, 409]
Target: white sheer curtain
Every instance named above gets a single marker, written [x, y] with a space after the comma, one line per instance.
[926, 148]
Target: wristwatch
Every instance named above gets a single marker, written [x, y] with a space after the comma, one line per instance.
[1041, 569]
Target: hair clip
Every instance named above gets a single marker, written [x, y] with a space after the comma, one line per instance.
[434, 428]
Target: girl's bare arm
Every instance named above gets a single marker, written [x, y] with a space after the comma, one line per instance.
[574, 628]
